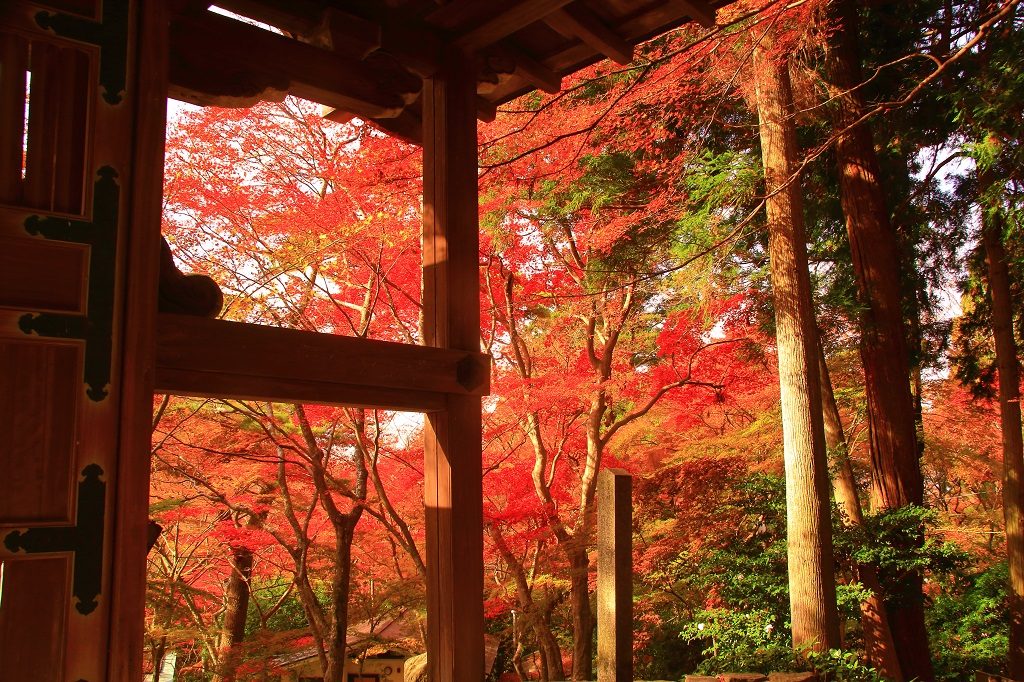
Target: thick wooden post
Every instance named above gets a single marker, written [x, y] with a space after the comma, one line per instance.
[614, 576]
[451, 319]
[128, 599]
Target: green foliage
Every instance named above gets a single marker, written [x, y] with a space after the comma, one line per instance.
[968, 623]
[740, 617]
[288, 617]
[735, 640]
[897, 543]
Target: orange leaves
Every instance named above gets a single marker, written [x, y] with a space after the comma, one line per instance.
[305, 223]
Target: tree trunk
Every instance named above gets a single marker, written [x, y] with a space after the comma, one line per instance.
[895, 468]
[539, 618]
[582, 615]
[1009, 417]
[336, 648]
[812, 588]
[549, 649]
[845, 484]
[236, 607]
[878, 643]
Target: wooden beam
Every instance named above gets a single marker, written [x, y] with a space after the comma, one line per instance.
[347, 33]
[486, 111]
[577, 21]
[273, 389]
[198, 356]
[453, 472]
[510, 19]
[299, 17]
[408, 126]
[525, 66]
[614, 576]
[636, 29]
[211, 45]
[141, 265]
[699, 10]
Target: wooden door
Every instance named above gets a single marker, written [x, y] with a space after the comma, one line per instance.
[68, 226]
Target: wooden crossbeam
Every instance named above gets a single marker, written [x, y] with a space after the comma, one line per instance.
[699, 10]
[299, 17]
[577, 21]
[510, 19]
[526, 67]
[217, 358]
[211, 52]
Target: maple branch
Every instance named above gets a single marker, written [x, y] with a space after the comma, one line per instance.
[661, 392]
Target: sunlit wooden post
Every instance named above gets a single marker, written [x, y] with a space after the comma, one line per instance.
[614, 576]
[451, 319]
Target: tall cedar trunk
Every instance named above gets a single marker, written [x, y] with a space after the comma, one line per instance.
[812, 588]
[895, 468]
[582, 615]
[1009, 418]
[878, 642]
[236, 606]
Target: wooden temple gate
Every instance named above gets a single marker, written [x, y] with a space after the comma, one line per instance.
[83, 88]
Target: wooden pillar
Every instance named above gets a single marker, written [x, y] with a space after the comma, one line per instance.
[142, 274]
[614, 576]
[451, 319]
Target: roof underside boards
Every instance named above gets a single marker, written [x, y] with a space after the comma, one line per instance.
[368, 58]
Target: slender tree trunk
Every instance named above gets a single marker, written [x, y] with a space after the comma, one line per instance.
[845, 484]
[538, 619]
[336, 645]
[895, 468]
[582, 615]
[1009, 417]
[812, 587]
[159, 652]
[236, 607]
[878, 642]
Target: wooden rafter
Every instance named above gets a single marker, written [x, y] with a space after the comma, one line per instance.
[577, 21]
[496, 27]
[209, 51]
[197, 356]
[699, 10]
[573, 57]
[527, 68]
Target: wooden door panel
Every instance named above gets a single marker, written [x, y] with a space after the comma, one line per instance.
[45, 103]
[60, 288]
[37, 431]
[33, 619]
[66, 129]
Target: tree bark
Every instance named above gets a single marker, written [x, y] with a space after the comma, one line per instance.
[236, 607]
[1009, 416]
[878, 642]
[895, 468]
[336, 648]
[582, 615]
[539, 620]
[812, 588]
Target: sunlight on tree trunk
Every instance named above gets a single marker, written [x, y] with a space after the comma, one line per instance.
[812, 588]
[878, 642]
[999, 288]
[895, 469]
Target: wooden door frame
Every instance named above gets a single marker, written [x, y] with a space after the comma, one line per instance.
[452, 435]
